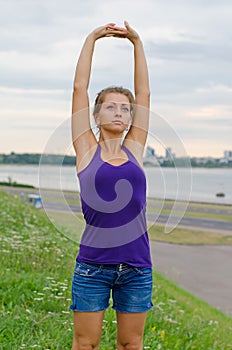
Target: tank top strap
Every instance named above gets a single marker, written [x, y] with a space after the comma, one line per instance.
[131, 157]
[94, 162]
[96, 159]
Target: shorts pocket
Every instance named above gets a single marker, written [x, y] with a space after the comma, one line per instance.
[87, 270]
[143, 271]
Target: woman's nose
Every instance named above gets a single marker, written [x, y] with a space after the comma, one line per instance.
[118, 112]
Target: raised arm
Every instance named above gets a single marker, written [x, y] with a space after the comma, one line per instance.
[82, 136]
[140, 122]
[80, 101]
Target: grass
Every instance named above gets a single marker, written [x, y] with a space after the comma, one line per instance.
[194, 209]
[72, 226]
[199, 215]
[189, 236]
[36, 270]
[15, 184]
[198, 210]
[197, 205]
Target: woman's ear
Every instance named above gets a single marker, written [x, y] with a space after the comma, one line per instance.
[97, 119]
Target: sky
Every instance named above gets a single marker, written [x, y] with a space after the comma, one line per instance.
[188, 46]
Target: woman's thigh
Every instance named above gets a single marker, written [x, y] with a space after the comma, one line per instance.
[130, 329]
[87, 329]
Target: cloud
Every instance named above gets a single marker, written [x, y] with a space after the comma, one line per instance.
[188, 47]
[186, 50]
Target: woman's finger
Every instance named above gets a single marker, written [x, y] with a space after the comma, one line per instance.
[110, 27]
[111, 24]
[126, 24]
[112, 32]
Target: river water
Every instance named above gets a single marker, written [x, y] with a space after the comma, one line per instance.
[194, 184]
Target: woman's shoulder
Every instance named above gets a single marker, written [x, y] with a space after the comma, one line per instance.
[135, 149]
[85, 152]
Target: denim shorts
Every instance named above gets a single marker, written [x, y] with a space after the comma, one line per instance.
[92, 285]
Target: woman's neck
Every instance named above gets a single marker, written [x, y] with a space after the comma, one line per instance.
[110, 145]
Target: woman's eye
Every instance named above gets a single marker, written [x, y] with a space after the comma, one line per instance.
[125, 109]
[110, 107]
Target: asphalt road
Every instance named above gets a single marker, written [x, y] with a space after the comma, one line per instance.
[205, 224]
[205, 271]
[212, 225]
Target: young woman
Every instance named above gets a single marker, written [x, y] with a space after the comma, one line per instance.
[114, 255]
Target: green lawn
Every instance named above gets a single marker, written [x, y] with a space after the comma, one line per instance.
[36, 270]
[189, 236]
[72, 225]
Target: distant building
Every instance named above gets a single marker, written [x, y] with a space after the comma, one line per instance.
[227, 157]
[150, 158]
[169, 155]
[150, 152]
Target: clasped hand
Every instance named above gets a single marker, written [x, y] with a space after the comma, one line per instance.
[111, 30]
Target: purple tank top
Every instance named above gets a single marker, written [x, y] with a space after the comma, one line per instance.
[113, 202]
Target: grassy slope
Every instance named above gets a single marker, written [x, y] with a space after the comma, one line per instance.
[72, 225]
[189, 236]
[36, 271]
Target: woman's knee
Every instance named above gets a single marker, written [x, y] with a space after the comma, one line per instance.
[134, 345]
[84, 344]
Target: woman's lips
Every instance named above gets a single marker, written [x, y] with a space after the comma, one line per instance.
[118, 122]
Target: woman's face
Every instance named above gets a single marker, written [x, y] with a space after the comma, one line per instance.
[114, 113]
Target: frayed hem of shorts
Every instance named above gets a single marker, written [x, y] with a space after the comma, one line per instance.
[78, 310]
[132, 311]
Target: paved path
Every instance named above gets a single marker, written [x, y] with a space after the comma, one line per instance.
[210, 225]
[205, 271]
[204, 224]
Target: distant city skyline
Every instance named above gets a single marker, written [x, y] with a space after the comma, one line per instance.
[227, 154]
[188, 48]
[150, 151]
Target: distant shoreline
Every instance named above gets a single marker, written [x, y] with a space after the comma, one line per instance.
[229, 166]
[65, 160]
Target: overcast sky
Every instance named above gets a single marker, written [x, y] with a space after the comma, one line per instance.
[188, 45]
